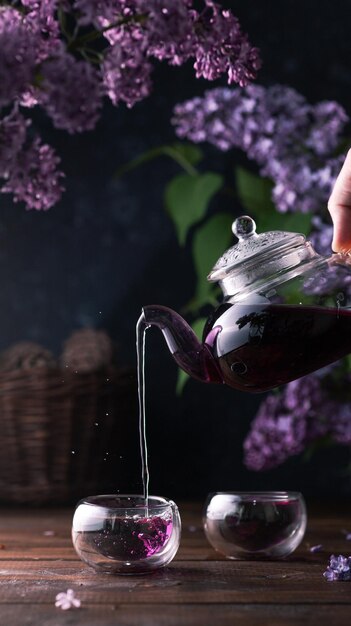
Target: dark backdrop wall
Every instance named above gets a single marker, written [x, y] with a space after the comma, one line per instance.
[108, 248]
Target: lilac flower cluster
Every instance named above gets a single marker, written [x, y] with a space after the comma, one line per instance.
[13, 130]
[335, 280]
[126, 72]
[49, 58]
[333, 283]
[29, 169]
[287, 422]
[17, 55]
[67, 600]
[173, 30]
[34, 179]
[321, 236]
[292, 141]
[63, 75]
[339, 568]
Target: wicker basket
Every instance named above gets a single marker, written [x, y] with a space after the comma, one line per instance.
[51, 449]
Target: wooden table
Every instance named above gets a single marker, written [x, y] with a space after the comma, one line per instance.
[37, 561]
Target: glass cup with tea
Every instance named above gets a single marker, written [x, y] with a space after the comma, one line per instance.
[255, 525]
[126, 534]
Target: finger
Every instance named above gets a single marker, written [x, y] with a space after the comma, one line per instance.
[339, 206]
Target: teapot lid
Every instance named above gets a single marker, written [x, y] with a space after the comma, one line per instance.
[258, 255]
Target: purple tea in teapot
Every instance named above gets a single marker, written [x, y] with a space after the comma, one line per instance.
[269, 346]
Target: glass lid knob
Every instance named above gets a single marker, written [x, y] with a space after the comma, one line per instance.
[244, 227]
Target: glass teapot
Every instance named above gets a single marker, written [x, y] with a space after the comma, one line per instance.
[286, 312]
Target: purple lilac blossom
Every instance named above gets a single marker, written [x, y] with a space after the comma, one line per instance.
[42, 19]
[101, 13]
[340, 424]
[30, 98]
[321, 236]
[286, 422]
[34, 178]
[17, 54]
[41, 64]
[301, 184]
[221, 47]
[29, 172]
[13, 130]
[71, 93]
[175, 31]
[339, 568]
[332, 281]
[329, 122]
[67, 600]
[115, 19]
[169, 29]
[292, 142]
[316, 548]
[126, 73]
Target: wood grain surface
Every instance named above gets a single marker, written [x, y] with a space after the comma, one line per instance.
[200, 587]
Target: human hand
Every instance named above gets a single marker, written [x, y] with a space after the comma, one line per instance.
[339, 206]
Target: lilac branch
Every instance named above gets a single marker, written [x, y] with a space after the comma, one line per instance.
[46, 60]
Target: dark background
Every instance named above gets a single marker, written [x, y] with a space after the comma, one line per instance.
[108, 248]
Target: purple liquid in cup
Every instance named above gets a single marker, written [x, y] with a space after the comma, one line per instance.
[255, 525]
[126, 534]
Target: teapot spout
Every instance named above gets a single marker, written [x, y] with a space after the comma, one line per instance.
[194, 358]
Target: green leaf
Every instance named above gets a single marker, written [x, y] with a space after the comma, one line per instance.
[182, 380]
[185, 154]
[255, 195]
[187, 151]
[209, 296]
[271, 219]
[255, 192]
[197, 326]
[210, 242]
[347, 362]
[187, 198]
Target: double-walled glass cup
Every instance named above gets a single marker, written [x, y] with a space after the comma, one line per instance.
[255, 525]
[124, 534]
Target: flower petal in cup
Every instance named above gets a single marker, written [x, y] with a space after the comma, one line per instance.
[124, 534]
